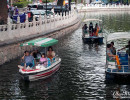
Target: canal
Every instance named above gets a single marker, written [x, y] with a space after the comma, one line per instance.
[82, 72]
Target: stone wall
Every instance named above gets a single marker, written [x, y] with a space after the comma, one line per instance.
[13, 50]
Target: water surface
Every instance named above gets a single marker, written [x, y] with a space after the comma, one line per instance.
[82, 72]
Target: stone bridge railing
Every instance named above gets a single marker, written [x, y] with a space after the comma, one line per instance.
[95, 7]
[21, 30]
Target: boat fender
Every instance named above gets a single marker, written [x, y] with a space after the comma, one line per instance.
[118, 62]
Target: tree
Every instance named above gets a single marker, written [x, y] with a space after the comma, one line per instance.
[82, 1]
[60, 2]
[3, 10]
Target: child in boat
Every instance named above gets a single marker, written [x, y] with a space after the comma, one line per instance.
[43, 59]
[50, 53]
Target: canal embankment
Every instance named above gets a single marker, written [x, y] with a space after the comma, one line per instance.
[12, 35]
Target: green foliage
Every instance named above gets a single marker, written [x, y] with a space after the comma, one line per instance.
[21, 4]
[44, 1]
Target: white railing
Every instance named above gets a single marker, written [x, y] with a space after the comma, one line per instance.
[96, 6]
[19, 30]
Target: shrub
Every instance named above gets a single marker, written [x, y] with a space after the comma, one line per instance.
[21, 4]
[44, 1]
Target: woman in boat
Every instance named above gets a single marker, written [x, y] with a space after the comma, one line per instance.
[96, 29]
[127, 46]
[113, 49]
[50, 53]
[109, 53]
[43, 59]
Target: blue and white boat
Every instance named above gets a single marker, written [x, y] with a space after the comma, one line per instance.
[93, 39]
[118, 68]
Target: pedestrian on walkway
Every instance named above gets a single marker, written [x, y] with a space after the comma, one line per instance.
[53, 11]
[11, 11]
[16, 10]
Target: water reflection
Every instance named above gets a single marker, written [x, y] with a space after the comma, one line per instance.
[116, 21]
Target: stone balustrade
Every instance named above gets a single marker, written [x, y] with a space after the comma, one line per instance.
[21, 30]
[89, 7]
[107, 6]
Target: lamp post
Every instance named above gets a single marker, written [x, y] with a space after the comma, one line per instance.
[46, 7]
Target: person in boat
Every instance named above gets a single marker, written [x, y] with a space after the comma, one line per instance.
[50, 53]
[43, 59]
[85, 27]
[91, 29]
[127, 46]
[28, 61]
[113, 49]
[36, 54]
[109, 53]
[22, 59]
[96, 30]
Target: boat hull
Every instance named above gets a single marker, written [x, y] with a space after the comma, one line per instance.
[93, 40]
[41, 74]
[119, 76]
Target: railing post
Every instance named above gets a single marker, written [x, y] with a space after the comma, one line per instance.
[45, 18]
[50, 21]
[40, 19]
[18, 19]
[26, 22]
[54, 20]
[8, 25]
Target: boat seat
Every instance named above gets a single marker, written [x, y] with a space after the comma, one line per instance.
[124, 63]
[111, 63]
[109, 60]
